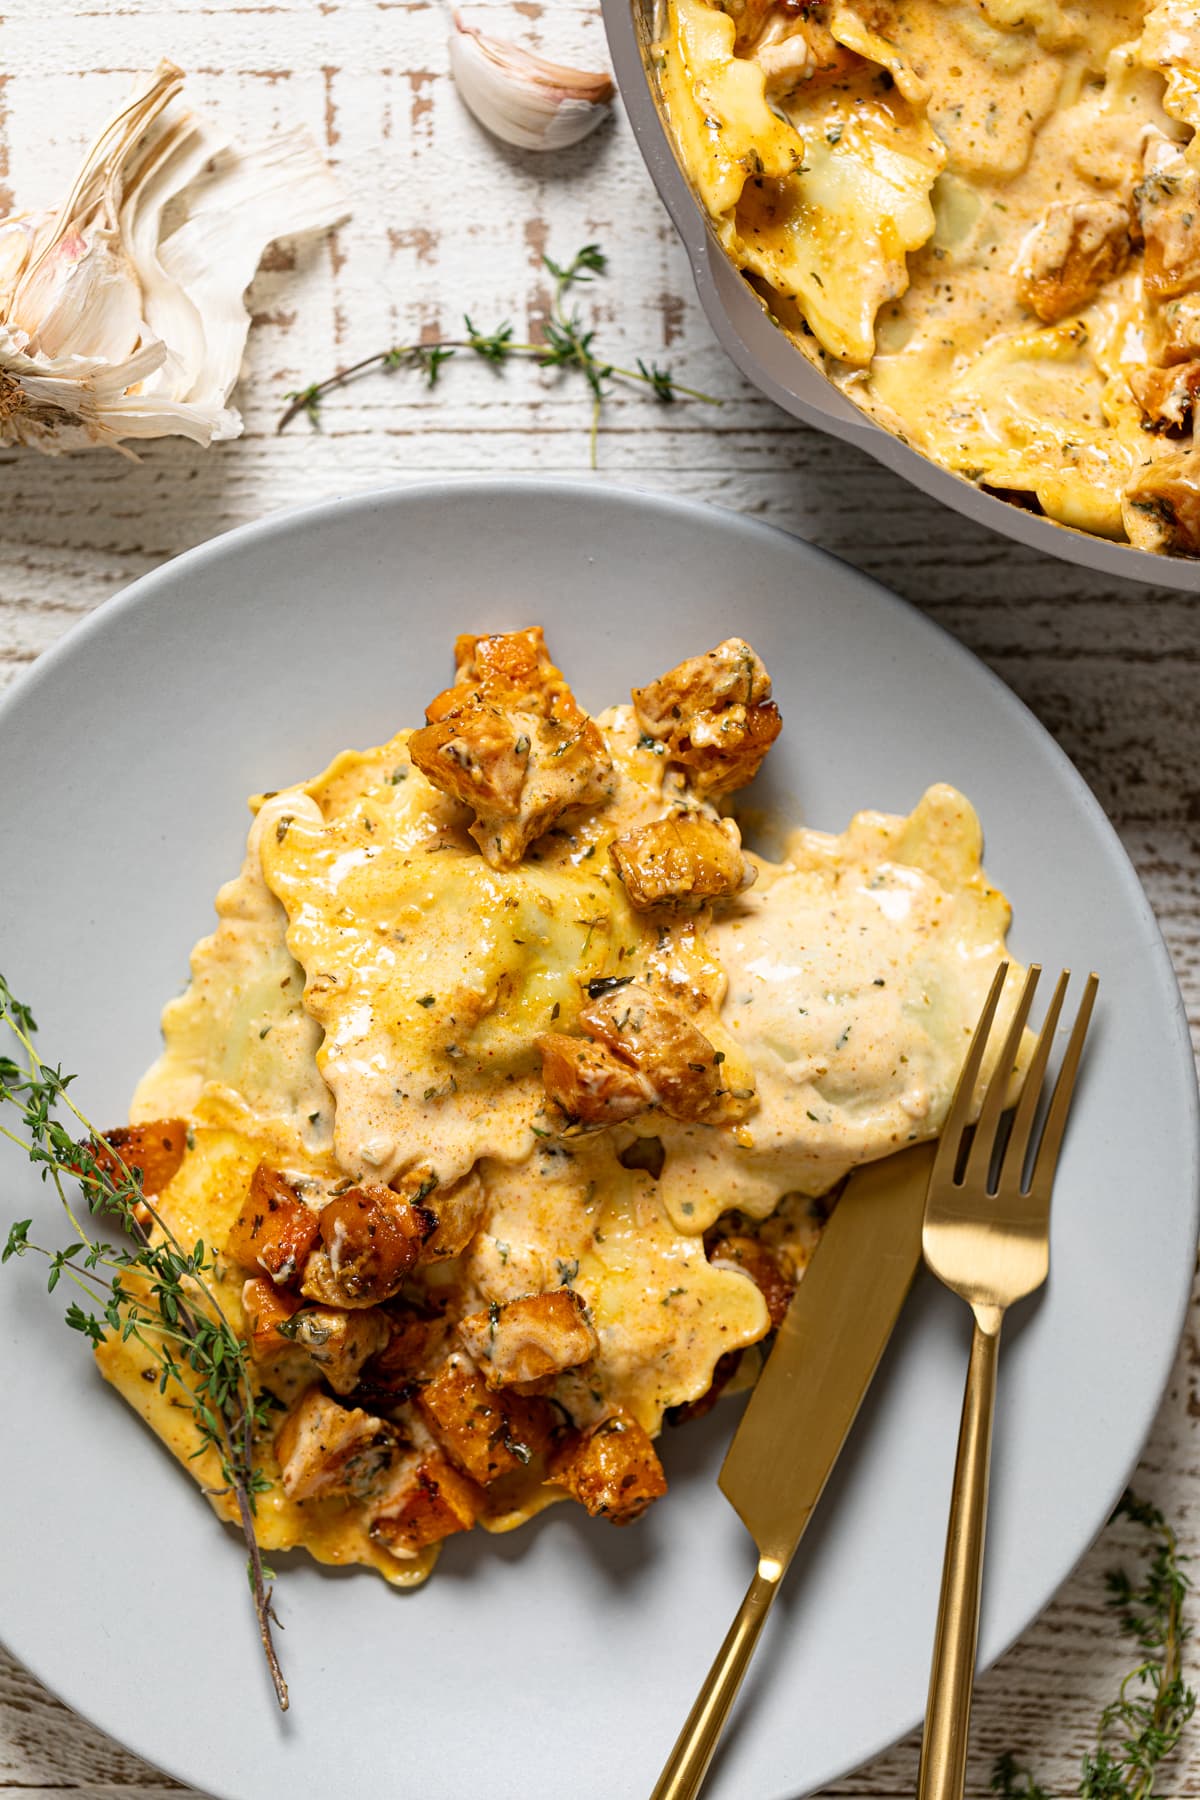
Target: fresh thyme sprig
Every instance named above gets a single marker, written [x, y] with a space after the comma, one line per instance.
[566, 343]
[157, 1292]
[1143, 1725]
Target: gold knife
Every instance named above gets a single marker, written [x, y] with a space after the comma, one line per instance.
[800, 1413]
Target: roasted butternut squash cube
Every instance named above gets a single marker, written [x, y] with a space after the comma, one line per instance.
[529, 1339]
[458, 1210]
[275, 1230]
[485, 1434]
[682, 861]
[510, 741]
[714, 714]
[613, 1470]
[417, 1346]
[1176, 330]
[1076, 246]
[152, 1152]
[324, 1449]
[267, 1307]
[657, 1038]
[1168, 397]
[514, 667]
[1162, 505]
[336, 1344]
[474, 753]
[589, 1083]
[1168, 207]
[773, 1281]
[438, 1502]
[643, 1052]
[371, 1239]
[517, 772]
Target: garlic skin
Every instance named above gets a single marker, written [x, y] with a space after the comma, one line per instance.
[522, 98]
[113, 327]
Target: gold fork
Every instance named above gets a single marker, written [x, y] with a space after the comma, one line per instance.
[987, 1238]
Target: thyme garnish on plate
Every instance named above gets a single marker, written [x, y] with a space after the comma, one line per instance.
[1143, 1725]
[566, 344]
[157, 1292]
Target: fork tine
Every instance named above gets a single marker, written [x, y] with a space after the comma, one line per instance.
[1042, 1174]
[979, 1161]
[1031, 1091]
[946, 1160]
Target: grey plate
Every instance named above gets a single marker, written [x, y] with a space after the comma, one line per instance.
[561, 1658]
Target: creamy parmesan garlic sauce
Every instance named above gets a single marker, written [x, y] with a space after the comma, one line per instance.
[856, 973]
[976, 216]
[240, 1048]
[662, 1312]
[961, 364]
[368, 1011]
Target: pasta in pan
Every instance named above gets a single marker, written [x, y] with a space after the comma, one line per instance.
[980, 218]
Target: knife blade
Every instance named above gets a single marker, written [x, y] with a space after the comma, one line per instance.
[801, 1411]
[827, 1351]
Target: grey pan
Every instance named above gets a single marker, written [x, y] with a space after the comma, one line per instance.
[767, 358]
[561, 1658]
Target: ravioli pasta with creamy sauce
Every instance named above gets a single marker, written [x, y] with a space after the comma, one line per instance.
[512, 1089]
[980, 218]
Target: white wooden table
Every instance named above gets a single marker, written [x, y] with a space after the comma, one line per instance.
[445, 220]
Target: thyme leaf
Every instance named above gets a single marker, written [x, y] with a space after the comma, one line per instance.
[153, 1289]
[1143, 1725]
[567, 343]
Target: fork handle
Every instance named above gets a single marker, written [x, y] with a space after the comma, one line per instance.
[683, 1776]
[943, 1767]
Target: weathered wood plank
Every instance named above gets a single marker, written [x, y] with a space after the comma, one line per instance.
[446, 221]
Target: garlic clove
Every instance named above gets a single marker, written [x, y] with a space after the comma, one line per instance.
[122, 314]
[19, 235]
[83, 299]
[522, 98]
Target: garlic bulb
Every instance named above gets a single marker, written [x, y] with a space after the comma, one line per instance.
[114, 322]
[523, 99]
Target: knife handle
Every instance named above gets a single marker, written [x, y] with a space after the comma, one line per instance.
[683, 1776]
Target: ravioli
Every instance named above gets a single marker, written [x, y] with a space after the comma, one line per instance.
[720, 110]
[857, 971]
[972, 248]
[430, 973]
[662, 1312]
[1171, 44]
[835, 237]
[239, 1047]
[506, 1137]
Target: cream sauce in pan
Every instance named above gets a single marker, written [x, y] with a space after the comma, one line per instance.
[914, 187]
